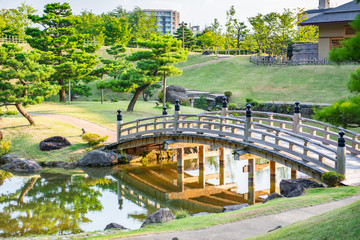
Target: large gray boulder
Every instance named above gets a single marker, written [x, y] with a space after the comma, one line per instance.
[272, 196]
[174, 92]
[97, 158]
[234, 207]
[295, 187]
[7, 157]
[54, 143]
[21, 165]
[114, 225]
[161, 216]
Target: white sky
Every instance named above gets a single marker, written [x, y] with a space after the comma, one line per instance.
[196, 12]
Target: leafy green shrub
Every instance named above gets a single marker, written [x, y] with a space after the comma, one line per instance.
[332, 179]
[201, 102]
[114, 99]
[253, 102]
[232, 106]
[93, 138]
[184, 103]
[8, 113]
[181, 213]
[228, 94]
[160, 96]
[5, 147]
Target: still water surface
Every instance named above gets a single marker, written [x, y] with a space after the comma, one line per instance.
[54, 203]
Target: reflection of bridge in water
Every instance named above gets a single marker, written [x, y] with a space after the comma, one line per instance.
[157, 186]
[301, 144]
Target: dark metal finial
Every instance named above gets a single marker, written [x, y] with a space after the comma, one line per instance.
[297, 107]
[119, 116]
[341, 139]
[248, 111]
[177, 105]
[164, 110]
[224, 103]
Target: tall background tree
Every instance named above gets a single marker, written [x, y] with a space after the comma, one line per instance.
[23, 80]
[150, 65]
[189, 40]
[14, 21]
[65, 48]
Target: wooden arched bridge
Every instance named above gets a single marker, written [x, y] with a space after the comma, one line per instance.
[303, 144]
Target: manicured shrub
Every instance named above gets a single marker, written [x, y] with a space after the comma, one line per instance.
[5, 147]
[332, 179]
[181, 213]
[228, 94]
[232, 106]
[93, 139]
[201, 102]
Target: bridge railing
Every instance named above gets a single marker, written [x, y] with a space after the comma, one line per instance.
[286, 137]
[320, 131]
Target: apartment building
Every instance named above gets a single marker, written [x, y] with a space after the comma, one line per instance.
[167, 20]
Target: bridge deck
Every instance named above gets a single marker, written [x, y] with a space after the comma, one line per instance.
[304, 144]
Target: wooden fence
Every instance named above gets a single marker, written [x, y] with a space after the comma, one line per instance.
[22, 40]
[279, 60]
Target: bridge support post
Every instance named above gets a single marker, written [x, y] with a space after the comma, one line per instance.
[297, 118]
[180, 169]
[251, 182]
[176, 115]
[201, 155]
[222, 165]
[119, 122]
[272, 176]
[341, 154]
[293, 174]
[248, 124]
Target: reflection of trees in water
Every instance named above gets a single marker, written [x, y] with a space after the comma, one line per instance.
[3, 176]
[213, 162]
[51, 206]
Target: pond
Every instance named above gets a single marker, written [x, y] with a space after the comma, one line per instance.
[57, 201]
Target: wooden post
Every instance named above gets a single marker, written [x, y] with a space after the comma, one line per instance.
[341, 154]
[251, 182]
[248, 124]
[272, 176]
[222, 165]
[180, 169]
[176, 115]
[296, 120]
[201, 155]
[293, 174]
[119, 123]
[224, 107]
[164, 113]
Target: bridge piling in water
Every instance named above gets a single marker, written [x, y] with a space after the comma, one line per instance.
[251, 181]
[201, 155]
[180, 169]
[222, 165]
[272, 176]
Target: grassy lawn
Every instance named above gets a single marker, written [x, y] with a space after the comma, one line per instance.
[25, 139]
[310, 198]
[341, 223]
[310, 83]
[195, 58]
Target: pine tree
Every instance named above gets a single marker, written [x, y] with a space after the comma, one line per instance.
[23, 80]
[152, 64]
[66, 50]
[189, 39]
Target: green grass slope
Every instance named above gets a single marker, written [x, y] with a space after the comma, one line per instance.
[307, 83]
[341, 223]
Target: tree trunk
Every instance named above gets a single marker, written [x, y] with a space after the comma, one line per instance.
[164, 90]
[62, 93]
[24, 113]
[102, 96]
[28, 186]
[137, 93]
